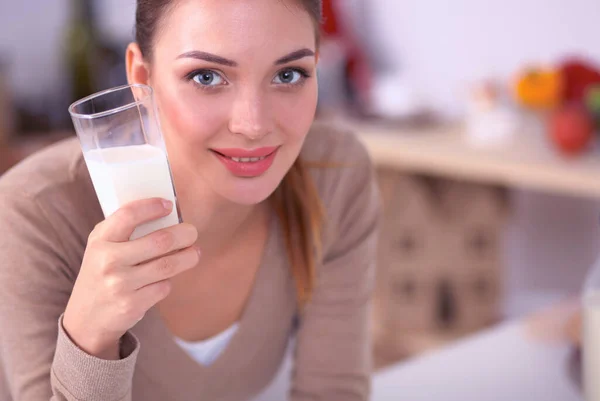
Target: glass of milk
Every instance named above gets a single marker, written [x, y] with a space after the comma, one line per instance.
[591, 335]
[124, 150]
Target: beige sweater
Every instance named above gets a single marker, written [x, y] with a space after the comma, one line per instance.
[48, 208]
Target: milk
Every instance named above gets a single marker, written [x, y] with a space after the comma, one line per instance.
[591, 345]
[126, 173]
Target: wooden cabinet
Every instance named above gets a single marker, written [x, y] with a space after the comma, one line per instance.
[440, 260]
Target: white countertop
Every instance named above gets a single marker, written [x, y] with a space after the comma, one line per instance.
[505, 363]
[528, 161]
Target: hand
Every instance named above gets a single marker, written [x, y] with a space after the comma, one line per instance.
[120, 280]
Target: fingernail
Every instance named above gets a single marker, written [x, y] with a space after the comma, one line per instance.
[167, 204]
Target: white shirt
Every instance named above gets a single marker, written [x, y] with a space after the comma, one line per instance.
[207, 351]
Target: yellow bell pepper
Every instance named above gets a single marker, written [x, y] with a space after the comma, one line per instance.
[539, 88]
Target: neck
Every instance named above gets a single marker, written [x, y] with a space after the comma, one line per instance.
[217, 220]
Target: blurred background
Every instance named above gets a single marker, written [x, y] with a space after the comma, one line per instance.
[482, 118]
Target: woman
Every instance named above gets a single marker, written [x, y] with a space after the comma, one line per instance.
[286, 253]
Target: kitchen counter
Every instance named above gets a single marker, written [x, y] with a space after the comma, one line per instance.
[528, 360]
[527, 162]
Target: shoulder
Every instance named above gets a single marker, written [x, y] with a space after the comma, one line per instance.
[330, 143]
[339, 163]
[44, 171]
[345, 179]
[50, 194]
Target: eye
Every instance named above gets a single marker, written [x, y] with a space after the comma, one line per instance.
[207, 78]
[290, 76]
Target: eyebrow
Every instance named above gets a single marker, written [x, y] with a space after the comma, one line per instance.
[293, 56]
[213, 58]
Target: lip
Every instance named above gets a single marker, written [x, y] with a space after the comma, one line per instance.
[246, 169]
[235, 152]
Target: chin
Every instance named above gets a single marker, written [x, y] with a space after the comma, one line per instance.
[249, 191]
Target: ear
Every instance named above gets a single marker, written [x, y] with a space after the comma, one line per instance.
[137, 69]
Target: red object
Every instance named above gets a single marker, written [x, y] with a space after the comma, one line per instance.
[571, 129]
[358, 66]
[246, 169]
[578, 75]
[330, 22]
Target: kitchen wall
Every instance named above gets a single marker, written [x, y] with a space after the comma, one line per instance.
[30, 41]
[445, 45]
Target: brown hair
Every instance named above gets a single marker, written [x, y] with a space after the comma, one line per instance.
[296, 200]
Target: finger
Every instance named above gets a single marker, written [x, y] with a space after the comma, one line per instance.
[163, 268]
[148, 296]
[119, 226]
[156, 244]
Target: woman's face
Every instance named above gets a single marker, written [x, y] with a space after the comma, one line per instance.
[235, 84]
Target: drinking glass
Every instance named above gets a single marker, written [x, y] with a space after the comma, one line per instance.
[124, 150]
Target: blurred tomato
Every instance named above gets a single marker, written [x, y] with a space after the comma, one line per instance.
[578, 75]
[570, 129]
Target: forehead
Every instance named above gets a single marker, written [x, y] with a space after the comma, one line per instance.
[236, 28]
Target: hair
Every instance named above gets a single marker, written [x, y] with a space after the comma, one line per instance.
[296, 200]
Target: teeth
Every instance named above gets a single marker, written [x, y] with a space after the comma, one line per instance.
[247, 159]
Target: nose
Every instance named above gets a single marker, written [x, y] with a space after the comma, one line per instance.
[250, 116]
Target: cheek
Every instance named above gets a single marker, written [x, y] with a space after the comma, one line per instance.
[295, 113]
[189, 122]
